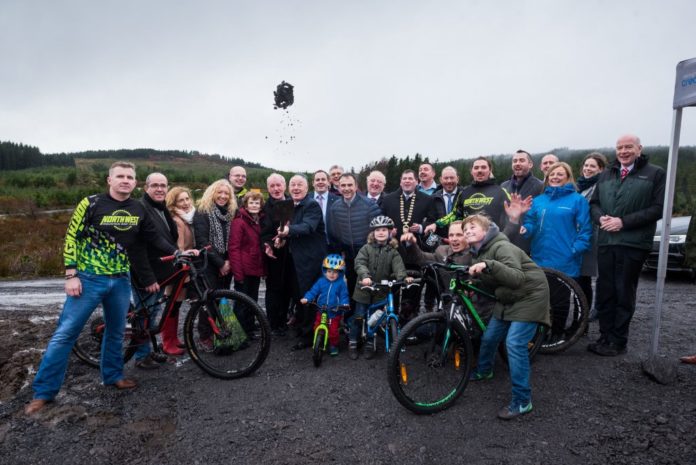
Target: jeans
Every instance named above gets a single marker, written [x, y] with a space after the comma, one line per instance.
[114, 294]
[148, 300]
[517, 335]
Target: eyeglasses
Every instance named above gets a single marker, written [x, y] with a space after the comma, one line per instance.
[157, 186]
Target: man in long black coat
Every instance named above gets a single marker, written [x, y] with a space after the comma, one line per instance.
[306, 241]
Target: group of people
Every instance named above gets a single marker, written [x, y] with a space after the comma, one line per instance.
[324, 245]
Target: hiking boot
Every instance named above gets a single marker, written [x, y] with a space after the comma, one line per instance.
[478, 376]
[510, 412]
[333, 351]
[353, 350]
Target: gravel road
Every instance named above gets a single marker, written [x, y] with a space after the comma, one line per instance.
[588, 410]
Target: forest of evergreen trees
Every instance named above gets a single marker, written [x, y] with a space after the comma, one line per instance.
[53, 180]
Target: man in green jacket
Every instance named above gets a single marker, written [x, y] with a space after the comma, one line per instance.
[626, 205]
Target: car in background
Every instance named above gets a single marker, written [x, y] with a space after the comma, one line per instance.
[677, 246]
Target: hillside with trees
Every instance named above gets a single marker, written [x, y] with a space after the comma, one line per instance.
[30, 180]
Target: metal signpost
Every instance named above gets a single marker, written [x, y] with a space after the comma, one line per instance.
[684, 96]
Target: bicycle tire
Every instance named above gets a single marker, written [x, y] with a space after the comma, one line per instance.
[318, 349]
[568, 324]
[393, 333]
[417, 376]
[210, 351]
[87, 347]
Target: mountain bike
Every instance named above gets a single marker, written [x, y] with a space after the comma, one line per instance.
[226, 333]
[569, 313]
[429, 365]
[321, 333]
[381, 316]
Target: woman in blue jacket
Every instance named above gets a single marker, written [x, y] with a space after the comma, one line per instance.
[560, 229]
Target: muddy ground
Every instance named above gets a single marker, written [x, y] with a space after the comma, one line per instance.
[588, 410]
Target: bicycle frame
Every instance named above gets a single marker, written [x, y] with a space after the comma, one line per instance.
[389, 313]
[323, 325]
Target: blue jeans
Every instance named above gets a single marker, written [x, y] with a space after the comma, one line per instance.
[517, 335]
[114, 294]
[148, 300]
[356, 321]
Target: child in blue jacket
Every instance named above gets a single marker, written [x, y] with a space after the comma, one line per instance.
[331, 292]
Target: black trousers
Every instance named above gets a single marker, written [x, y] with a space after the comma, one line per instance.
[617, 283]
[250, 287]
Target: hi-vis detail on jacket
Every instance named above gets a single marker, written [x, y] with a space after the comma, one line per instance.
[99, 231]
[477, 201]
[121, 220]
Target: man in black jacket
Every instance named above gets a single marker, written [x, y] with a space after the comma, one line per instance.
[524, 183]
[153, 200]
[412, 212]
[483, 195]
[626, 205]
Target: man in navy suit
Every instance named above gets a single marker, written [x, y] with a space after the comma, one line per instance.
[321, 192]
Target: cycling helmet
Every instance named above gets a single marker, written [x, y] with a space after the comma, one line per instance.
[381, 221]
[334, 262]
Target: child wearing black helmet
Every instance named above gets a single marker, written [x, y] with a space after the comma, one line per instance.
[331, 292]
[377, 260]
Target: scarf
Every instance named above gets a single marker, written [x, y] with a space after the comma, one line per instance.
[219, 218]
[585, 183]
[187, 217]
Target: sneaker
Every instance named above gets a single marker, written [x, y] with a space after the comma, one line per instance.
[353, 350]
[333, 351]
[510, 412]
[478, 376]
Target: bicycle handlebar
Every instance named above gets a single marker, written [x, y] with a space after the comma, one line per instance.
[180, 255]
[391, 284]
[448, 266]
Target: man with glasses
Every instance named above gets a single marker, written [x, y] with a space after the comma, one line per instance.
[238, 178]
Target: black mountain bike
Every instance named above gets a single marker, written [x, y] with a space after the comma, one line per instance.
[226, 332]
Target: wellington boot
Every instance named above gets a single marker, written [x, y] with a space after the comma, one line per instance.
[170, 343]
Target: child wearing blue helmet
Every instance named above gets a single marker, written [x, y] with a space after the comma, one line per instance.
[331, 292]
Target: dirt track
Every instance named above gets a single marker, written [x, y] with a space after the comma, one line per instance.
[588, 410]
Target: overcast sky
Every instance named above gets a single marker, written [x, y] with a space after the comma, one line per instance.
[447, 79]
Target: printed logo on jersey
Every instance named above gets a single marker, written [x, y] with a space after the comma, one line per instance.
[121, 220]
[477, 201]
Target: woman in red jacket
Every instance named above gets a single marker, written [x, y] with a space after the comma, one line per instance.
[244, 247]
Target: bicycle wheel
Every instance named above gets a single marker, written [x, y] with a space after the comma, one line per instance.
[428, 366]
[318, 349]
[232, 345]
[569, 312]
[89, 342]
[393, 333]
